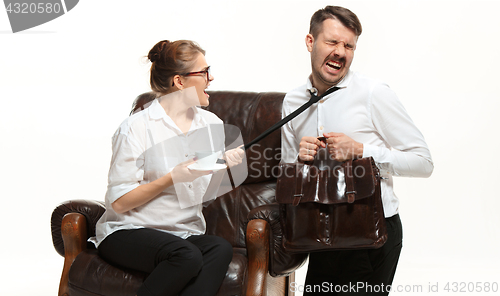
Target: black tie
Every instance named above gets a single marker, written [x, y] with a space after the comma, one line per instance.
[314, 99]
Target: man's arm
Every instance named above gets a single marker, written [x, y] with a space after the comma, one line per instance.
[406, 152]
[410, 155]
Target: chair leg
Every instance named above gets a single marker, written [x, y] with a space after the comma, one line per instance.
[258, 256]
[74, 235]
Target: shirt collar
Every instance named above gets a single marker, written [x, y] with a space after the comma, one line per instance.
[157, 112]
[342, 84]
[198, 120]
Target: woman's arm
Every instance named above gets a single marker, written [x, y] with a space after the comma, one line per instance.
[146, 192]
[142, 194]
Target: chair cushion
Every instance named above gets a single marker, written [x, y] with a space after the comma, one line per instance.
[91, 275]
[236, 276]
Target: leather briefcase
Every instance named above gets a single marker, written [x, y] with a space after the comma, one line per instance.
[328, 205]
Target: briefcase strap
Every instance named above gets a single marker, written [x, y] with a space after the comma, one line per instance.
[299, 183]
[349, 182]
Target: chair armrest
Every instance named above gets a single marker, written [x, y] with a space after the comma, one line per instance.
[281, 263]
[257, 238]
[92, 210]
[74, 235]
[72, 223]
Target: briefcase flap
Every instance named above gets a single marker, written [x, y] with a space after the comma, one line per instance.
[341, 183]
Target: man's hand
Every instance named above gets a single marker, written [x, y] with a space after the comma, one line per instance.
[308, 148]
[342, 147]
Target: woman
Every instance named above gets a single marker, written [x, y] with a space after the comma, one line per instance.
[145, 227]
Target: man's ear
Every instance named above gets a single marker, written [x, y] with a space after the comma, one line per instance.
[177, 82]
[309, 42]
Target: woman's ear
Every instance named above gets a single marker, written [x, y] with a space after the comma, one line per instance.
[177, 82]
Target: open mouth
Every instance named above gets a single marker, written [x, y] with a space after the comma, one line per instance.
[206, 93]
[334, 65]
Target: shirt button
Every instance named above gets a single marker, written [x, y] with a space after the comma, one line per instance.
[321, 128]
[322, 101]
[186, 155]
[190, 186]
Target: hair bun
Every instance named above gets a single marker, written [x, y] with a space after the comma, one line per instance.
[155, 53]
[153, 57]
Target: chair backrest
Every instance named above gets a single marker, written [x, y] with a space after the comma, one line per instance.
[252, 113]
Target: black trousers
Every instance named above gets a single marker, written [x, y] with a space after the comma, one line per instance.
[356, 272]
[193, 266]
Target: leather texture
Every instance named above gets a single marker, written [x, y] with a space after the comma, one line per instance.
[280, 262]
[92, 210]
[91, 274]
[227, 216]
[330, 205]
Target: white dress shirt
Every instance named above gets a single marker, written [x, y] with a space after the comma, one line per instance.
[146, 146]
[369, 112]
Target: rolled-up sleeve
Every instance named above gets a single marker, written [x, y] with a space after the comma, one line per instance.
[410, 155]
[127, 165]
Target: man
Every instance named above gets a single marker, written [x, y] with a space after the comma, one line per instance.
[364, 118]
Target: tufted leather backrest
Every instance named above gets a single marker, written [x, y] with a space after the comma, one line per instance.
[252, 113]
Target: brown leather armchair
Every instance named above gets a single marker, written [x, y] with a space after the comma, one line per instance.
[247, 217]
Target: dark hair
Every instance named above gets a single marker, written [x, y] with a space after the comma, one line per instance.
[169, 59]
[343, 15]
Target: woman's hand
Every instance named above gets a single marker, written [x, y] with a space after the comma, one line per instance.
[234, 156]
[181, 172]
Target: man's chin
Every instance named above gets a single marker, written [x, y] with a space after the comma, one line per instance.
[335, 78]
[331, 80]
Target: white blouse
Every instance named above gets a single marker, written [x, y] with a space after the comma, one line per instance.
[146, 146]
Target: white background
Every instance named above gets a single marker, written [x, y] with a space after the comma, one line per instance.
[66, 85]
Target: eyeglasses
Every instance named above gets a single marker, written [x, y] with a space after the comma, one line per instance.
[206, 72]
